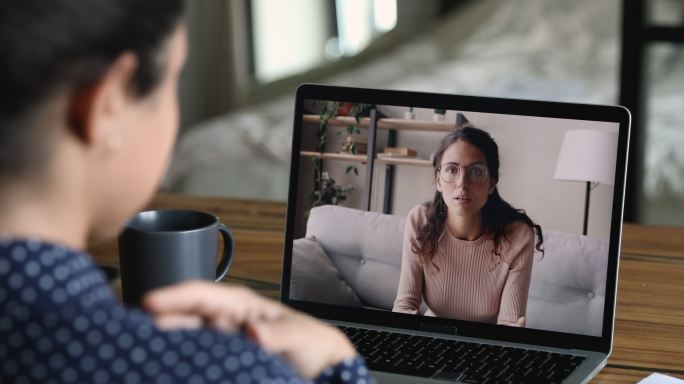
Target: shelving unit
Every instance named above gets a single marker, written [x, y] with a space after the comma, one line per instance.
[388, 123]
[362, 158]
[373, 124]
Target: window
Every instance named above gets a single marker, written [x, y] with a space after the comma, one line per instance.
[291, 37]
[652, 74]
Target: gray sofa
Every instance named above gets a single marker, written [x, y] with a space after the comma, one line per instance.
[352, 257]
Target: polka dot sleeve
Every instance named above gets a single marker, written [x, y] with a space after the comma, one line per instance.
[349, 371]
[60, 322]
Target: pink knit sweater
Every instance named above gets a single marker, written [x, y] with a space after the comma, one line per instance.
[465, 280]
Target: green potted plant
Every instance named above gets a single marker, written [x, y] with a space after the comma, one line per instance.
[353, 143]
[439, 115]
[326, 191]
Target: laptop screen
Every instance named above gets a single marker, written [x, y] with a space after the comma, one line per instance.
[459, 213]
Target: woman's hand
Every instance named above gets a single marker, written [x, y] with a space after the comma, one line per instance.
[308, 344]
[195, 304]
[522, 322]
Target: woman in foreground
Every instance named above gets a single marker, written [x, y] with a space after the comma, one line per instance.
[467, 253]
[88, 119]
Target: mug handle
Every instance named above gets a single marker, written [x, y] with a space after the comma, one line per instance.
[228, 253]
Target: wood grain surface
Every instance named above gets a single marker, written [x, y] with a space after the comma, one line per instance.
[649, 325]
[611, 375]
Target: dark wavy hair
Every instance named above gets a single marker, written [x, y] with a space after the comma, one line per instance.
[497, 214]
[66, 46]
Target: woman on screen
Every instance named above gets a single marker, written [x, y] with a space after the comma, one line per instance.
[467, 253]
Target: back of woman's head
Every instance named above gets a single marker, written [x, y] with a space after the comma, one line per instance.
[64, 45]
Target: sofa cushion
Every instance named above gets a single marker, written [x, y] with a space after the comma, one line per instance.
[567, 290]
[364, 246]
[315, 278]
[568, 286]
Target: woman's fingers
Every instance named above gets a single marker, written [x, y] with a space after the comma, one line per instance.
[280, 334]
[191, 296]
[310, 345]
[171, 322]
[222, 306]
[522, 322]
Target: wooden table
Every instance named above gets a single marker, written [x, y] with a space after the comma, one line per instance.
[649, 326]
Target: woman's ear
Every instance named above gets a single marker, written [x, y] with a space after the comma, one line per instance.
[492, 187]
[438, 183]
[95, 111]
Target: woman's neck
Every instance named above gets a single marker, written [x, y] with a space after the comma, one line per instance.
[30, 212]
[465, 227]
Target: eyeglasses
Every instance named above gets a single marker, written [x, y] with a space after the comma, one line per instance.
[476, 173]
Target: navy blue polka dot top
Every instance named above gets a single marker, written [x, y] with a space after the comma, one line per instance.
[61, 323]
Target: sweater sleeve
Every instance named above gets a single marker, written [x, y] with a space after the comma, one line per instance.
[70, 328]
[348, 371]
[410, 291]
[519, 255]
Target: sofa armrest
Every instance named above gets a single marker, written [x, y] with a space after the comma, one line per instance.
[365, 247]
[315, 278]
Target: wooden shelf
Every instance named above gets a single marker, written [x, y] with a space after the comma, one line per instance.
[338, 120]
[364, 158]
[404, 160]
[415, 125]
[391, 126]
[389, 123]
[335, 156]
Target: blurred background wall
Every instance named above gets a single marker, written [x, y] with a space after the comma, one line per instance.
[247, 57]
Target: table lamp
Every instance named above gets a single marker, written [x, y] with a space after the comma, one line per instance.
[587, 155]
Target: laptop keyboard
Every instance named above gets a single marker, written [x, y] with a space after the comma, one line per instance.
[468, 362]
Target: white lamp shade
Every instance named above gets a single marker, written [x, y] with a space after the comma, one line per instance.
[587, 155]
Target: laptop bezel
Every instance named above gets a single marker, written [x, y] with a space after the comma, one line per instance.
[604, 113]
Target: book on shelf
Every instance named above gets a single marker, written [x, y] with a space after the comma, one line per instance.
[398, 152]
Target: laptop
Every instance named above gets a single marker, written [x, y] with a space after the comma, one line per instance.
[527, 311]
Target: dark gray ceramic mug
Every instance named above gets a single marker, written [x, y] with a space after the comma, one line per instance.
[163, 247]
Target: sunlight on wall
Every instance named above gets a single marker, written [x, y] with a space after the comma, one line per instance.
[289, 37]
[385, 14]
[295, 36]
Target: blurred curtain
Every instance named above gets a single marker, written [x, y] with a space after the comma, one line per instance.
[208, 85]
